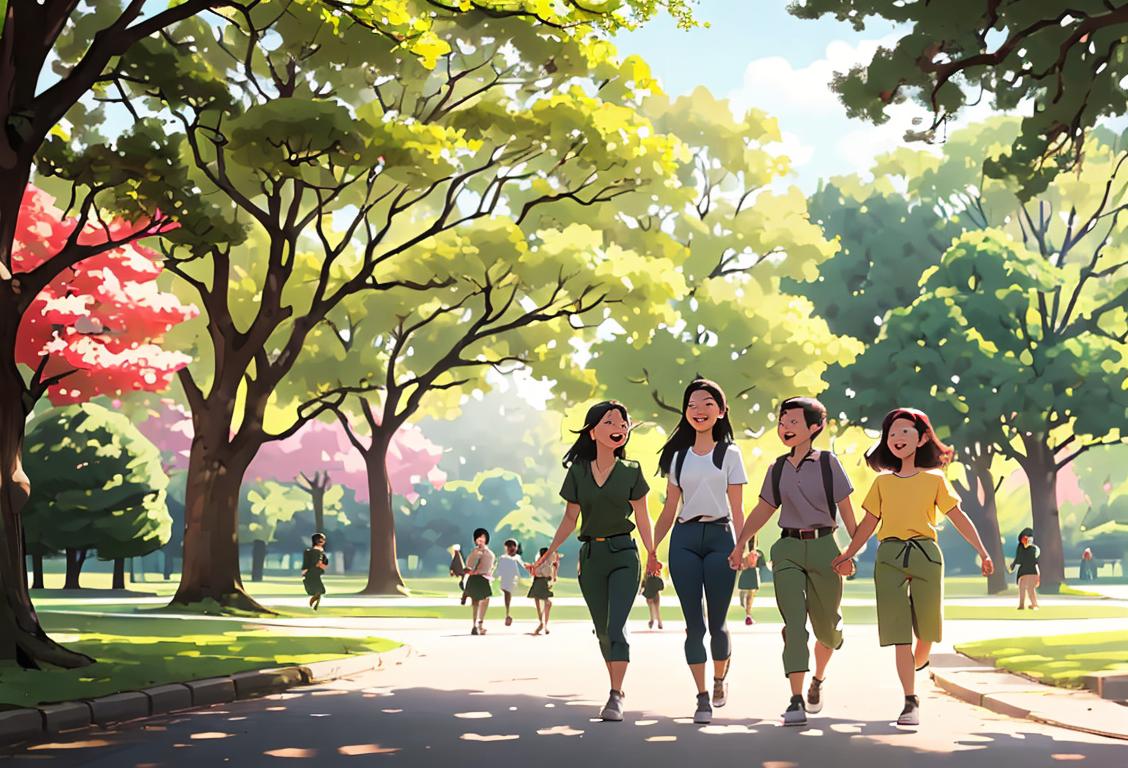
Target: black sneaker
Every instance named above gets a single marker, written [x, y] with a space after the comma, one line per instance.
[814, 696]
[704, 713]
[910, 715]
[613, 709]
[795, 714]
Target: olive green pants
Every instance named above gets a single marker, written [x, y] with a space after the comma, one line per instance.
[807, 587]
[909, 580]
[609, 575]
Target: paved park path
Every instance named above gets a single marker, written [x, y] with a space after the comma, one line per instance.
[511, 699]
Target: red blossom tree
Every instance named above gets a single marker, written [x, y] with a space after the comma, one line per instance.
[96, 328]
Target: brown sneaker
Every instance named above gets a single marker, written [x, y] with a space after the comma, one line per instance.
[814, 696]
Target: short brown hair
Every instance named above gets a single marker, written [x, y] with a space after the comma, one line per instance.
[933, 454]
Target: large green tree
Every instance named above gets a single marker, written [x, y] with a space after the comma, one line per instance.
[98, 485]
[1066, 58]
[735, 237]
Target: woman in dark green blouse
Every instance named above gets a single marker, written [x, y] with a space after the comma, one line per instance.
[314, 561]
[603, 491]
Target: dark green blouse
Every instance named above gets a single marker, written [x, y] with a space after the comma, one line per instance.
[604, 511]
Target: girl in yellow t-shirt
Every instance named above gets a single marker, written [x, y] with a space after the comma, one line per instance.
[909, 573]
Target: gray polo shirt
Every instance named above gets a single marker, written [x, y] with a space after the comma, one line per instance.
[804, 500]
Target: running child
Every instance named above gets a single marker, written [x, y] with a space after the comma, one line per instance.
[509, 567]
[314, 562]
[544, 577]
[479, 565]
[749, 582]
[652, 587]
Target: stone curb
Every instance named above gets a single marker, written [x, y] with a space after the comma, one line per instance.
[1018, 697]
[30, 724]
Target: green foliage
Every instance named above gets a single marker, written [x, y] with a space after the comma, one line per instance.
[267, 504]
[734, 241]
[97, 484]
[1067, 61]
[1061, 660]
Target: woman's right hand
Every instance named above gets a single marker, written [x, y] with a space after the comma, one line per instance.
[843, 564]
[540, 561]
[736, 558]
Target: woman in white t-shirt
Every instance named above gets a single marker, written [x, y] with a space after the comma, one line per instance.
[705, 495]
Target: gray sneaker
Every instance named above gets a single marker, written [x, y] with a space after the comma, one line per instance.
[814, 696]
[720, 692]
[704, 713]
[910, 715]
[795, 714]
[613, 709]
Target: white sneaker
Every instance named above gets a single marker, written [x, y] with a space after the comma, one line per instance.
[814, 703]
[613, 709]
[704, 713]
[910, 715]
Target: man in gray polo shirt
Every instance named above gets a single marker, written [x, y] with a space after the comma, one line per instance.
[811, 487]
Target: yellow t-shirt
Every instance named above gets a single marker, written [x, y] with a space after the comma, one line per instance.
[906, 506]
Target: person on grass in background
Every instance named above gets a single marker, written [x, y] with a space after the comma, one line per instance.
[544, 578]
[509, 568]
[1088, 569]
[603, 491]
[1029, 577]
[811, 490]
[705, 494]
[908, 573]
[652, 586]
[749, 582]
[314, 562]
[479, 565]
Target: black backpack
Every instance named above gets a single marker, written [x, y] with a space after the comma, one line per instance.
[828, 480]
[719, 451]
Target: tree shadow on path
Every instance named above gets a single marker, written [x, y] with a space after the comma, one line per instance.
[349, 723]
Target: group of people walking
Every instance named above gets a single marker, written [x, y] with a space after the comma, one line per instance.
[605, 499]
[477, 570]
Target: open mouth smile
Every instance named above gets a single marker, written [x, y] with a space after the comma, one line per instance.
[788, 435]
[700, 419]
[900, 446]
[617, 437]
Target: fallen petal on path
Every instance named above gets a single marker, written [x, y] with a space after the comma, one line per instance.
[473, 715]
[493, 737]
[291, 752]
[559, 730]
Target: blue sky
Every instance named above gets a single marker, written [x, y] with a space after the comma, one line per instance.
[759, 55]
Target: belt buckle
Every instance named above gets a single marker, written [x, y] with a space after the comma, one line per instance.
[807, 533]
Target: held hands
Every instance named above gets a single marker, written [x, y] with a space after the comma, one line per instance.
[653, 565]
[540, 561]
[844, 565]
[736, 558]
[988, 565]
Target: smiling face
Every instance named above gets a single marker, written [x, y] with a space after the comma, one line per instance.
[793, 429]
[480, 540]
[703, 411]
[511, 549]
[904, 439]
[612, 430]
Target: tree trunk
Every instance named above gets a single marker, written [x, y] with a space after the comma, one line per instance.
[76, 558]
[348, 554]
[119, 573]
[37, 572]
[22, 638]
[317, 494]
[383, 569]
[1041, 471]
[211, 523]
[985, 515]
[258, 559]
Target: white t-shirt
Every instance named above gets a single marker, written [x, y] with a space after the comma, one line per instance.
[509, 571]
[704, 487]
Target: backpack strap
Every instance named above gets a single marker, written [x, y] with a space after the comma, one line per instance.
[777, 475]
[828, 483]
[679, 459]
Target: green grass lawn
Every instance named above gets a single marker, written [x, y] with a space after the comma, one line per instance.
[136, 653]
[1061, 660]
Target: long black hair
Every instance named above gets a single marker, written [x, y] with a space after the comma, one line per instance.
[684, 435]
[584, 447]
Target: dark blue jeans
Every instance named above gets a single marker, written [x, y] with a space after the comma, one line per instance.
[699, 567]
